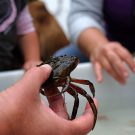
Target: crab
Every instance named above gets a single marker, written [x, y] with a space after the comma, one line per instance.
[62, 66]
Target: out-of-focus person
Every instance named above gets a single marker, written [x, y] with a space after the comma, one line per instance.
[19, 45]
[103, 32]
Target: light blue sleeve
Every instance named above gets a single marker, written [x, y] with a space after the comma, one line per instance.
[84, 14]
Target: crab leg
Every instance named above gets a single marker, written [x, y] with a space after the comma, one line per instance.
[66, 84]
[72, 92]
[90, 100]
[85, 82]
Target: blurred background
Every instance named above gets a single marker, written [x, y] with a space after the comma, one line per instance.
[60, 9]
[50, 19]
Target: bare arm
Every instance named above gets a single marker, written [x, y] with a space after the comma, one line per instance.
[86, 29]
[91, 38]
[31, 49]
[28, 39]
[111, 56]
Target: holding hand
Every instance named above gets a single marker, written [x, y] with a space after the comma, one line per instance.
[22, 111]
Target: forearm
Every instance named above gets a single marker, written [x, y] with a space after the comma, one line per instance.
[91, 38]
[30, 46]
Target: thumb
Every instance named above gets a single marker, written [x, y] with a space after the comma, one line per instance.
[33, 79]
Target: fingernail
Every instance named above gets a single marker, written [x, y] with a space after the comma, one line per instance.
[46, 66]
[99, 80]
[125, 74]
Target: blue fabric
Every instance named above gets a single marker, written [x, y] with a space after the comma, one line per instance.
[72, 50]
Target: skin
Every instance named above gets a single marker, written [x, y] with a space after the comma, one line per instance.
[111, 56]
[23, 112]
[31, 50]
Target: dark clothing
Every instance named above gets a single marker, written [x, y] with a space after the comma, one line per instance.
[119, 16]
[8, 36]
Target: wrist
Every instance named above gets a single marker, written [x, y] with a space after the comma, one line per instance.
[92, 39]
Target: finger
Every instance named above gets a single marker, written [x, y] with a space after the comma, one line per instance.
[104, 63]
[98, 71]
[108, 67]
[33, 79]
[118, 65]
[84, 123]
[127, 57]
[56, 102]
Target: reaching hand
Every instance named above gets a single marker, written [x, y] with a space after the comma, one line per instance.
[23, 112]
[113, 58]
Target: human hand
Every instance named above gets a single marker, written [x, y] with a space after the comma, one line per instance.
[113, 58]
[24, 113]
